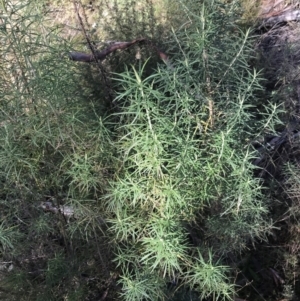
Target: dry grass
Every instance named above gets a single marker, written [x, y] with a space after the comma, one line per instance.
[274, 7]
[256, 9]
[99, 16]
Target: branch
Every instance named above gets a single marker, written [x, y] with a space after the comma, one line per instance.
[65, 210]
[101, 55]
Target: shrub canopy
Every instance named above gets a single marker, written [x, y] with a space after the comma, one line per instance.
[158, 185]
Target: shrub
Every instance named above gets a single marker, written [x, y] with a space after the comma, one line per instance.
[145, 194]
[185, 194]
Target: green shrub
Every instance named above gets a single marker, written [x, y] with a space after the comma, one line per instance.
[183, 137]
[159, 185]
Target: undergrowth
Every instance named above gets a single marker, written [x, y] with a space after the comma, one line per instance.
[149, 196]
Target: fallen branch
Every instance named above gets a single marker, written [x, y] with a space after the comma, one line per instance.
[65, 210]
[101, 55]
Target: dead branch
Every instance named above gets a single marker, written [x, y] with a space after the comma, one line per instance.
[67, 211]
[101, 55]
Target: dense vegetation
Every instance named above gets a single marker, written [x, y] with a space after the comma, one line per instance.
[137, 179]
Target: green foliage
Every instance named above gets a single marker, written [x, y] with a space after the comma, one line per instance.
[8, 237]
[57, 270]
[183, 137]
[208, 278]
[53, 146]
[292, 217]
[143, 286]
[150, 195]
